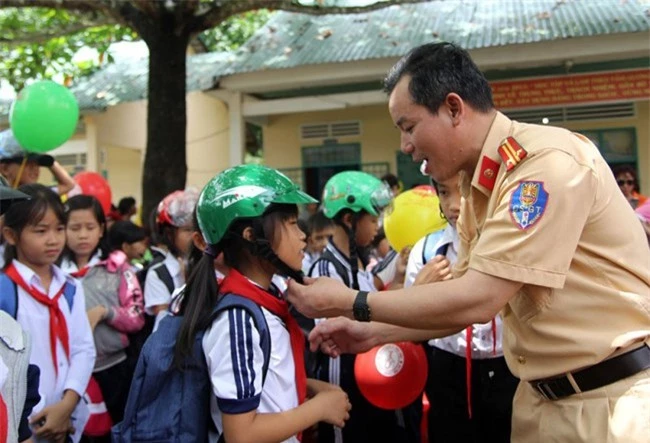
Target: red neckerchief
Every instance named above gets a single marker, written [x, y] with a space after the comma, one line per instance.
[4, 420]
[58, 325]
[81, 273]
[468, 360]
[236, 283]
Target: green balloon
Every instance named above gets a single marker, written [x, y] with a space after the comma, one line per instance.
[44, 116]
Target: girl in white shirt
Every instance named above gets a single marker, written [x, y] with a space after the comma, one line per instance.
[174, 234]
[86, 240]
[470, 388]
[51, 308]
[249, 214]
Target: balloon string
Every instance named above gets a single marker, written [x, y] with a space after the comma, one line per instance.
[20, 172]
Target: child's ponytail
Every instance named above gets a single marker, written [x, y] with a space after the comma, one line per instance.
[201, 293]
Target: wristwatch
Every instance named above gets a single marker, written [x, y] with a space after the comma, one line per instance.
[360, 308]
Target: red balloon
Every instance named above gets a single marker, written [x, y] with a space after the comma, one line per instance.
[91, 183]
[392, 376]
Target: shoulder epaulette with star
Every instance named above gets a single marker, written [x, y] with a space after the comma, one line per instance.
[511, 153]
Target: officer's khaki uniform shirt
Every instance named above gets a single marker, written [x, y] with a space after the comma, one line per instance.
[580, 251]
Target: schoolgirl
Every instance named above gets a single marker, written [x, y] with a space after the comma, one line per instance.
[249, 213]
[50, 307]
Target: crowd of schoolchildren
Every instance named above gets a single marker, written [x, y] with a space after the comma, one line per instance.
[183, 333]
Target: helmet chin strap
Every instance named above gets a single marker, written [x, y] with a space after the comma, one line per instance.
[261, 247]
[352, 245]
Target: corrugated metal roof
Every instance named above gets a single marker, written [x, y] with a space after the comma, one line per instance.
[127, 81]
[290, 40]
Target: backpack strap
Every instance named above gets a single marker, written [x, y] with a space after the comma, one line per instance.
[429, 249]
[69, 291]
[341, 270]
[8, 295]
[163, 274]
[229, 301]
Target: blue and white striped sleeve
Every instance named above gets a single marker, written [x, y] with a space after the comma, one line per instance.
[235, 361]
[324, 268]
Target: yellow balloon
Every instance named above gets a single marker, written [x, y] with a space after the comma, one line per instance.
[412, 215]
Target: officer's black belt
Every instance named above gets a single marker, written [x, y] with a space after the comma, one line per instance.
[596, 376]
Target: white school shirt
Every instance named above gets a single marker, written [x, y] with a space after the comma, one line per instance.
[34, 317]
[69, 266]
[325, 268]
[366, 282]
[482, 343]
[155, 291]
[386, 268]
[235, 360]
[308, 260]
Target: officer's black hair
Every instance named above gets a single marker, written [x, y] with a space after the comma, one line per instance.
[438, 69]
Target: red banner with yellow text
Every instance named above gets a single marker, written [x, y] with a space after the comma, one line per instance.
[572, 89]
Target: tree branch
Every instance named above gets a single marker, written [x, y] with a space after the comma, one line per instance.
[219, 11]
[72, 5]
[134, 17]
[45, 36]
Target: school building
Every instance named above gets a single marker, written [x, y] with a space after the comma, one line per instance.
[307, 89]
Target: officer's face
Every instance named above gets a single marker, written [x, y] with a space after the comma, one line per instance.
[423, 135]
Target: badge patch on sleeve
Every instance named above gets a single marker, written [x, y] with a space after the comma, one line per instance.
[528, 203]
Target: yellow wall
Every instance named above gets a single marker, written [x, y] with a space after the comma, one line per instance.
[121, 137]
[121, 141]
[124, 170]
[207, 138]
[379, 139]
[641, 122]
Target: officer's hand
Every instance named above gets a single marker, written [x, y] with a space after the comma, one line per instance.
[322, 297]
[341, 335]
[437, 269]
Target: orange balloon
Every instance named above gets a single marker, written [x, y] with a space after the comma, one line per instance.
[392, 376]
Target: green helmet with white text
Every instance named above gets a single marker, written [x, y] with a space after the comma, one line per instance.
[357, 191]
[244, 191]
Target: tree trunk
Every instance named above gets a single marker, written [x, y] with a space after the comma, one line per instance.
[165, 168]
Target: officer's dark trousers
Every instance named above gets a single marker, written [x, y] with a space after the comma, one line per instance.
[493, 387]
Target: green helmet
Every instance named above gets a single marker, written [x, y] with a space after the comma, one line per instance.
[245, 191]
[355, 190]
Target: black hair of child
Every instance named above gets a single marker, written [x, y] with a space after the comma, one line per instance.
[125, 205]
[30, 213]
[318, 222]
[202, 290]
[80, 202]
[124, 232]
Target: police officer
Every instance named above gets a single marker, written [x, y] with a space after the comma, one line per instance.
[536, 244]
